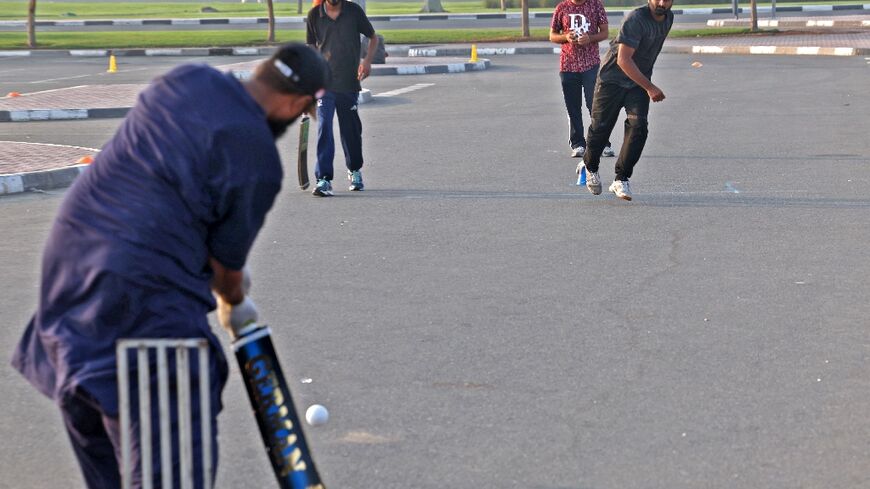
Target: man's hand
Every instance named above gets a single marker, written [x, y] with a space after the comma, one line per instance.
[365, 69]
[626, 63]
[655, 94]
[235, 318]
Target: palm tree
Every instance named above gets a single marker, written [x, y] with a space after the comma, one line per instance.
[31, 23]
[271, 21]
[430, 6]
[753, 15]
[525, 18]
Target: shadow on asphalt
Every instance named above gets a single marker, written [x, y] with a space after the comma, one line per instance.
[722, 198]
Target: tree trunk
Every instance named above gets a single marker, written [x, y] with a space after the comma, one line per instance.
[31, 23]
[754, 14]
[431, 6]
[299, 7]
[271, 21]
[525, 18]
[503, 6]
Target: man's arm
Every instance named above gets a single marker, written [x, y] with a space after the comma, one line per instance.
[235, 310]
[626, 63]
[365, 67]
[560, 37]
[228, 284]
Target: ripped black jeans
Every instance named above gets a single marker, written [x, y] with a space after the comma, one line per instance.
[608, 101]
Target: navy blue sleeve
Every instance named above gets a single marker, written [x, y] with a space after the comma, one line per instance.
[246, 177]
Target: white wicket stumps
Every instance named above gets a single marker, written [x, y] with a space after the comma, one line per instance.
[161, 347]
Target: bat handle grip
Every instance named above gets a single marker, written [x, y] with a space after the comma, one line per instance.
[245, 331]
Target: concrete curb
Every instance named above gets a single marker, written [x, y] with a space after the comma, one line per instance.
[843, 24]
[481, 51]
[775, 50]
[401, 18]
[225, 51]
[365, 95]
[432, 69]
[702, 49]
[61, 114]
[40, 180]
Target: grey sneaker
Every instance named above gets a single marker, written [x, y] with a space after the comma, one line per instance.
[608, 151]
[593, 182]
[355, 178]
[578, 152]
[621, 189]
[323, 188]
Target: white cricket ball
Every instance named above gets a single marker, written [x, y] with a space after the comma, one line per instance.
[316, 415]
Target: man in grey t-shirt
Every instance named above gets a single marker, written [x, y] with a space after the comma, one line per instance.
[624, 82]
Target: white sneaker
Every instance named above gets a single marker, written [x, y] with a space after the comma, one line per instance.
[593, 182]
[578, 152]
[608, 151]
[621, 189]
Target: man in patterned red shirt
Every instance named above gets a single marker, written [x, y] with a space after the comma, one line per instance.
[579, 25]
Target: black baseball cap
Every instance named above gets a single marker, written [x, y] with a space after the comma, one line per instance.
[303, 68]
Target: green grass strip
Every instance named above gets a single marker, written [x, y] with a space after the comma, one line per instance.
[17, 10]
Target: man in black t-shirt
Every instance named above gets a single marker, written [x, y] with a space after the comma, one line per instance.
[624, 82]
[334, 29]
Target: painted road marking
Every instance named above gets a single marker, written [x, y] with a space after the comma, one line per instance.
[400, 91]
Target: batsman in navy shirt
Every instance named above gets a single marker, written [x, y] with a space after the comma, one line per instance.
[163, 219]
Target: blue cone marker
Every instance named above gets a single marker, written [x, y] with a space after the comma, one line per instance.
[581, 178]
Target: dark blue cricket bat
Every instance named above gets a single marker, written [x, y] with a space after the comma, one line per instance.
[273, 407]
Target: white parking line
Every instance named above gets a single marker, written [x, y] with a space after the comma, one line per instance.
[61, 78]
[55, 90]
[400, 91]
[82, 76]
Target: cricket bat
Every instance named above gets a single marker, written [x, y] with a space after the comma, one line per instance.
[302, 162]
[274, 410]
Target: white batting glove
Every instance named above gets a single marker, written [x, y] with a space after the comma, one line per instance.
[235, 318]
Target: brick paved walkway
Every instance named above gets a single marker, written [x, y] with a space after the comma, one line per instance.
[834, 39]
[20, 157]
[80, 97]
[765, 20]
